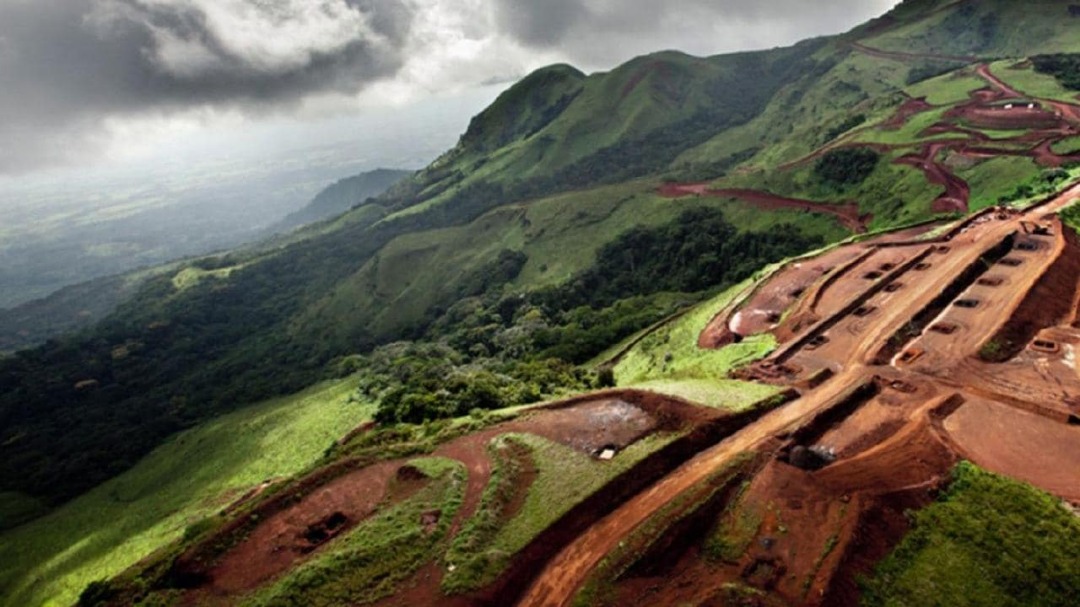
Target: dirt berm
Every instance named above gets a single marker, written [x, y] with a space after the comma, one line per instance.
[512, 584]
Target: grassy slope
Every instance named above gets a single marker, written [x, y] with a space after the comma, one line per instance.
[668, 360]
[894, 194]
[626, 103]
[989, 541]
[1024, 78]
[1068, 146]
[560, 235]
[194, 475]
[997, 177]
[1022, 28]
[636, 99]
[795, 121]
[565, 477]
[817, 108]
[954, 87]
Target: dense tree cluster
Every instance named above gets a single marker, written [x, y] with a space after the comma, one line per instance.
[417, 382]
[697, 251]
[847, 166]
[851, 122]
[1064, 67]
[500, 349]
[930, 69]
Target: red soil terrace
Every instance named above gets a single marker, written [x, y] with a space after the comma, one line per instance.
[871, 441]
[847, 214]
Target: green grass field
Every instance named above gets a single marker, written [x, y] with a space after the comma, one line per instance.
[672, 353]
[194, 475]
[989, 541]
[565, 477]
[910, 132]
[1015, 29]
[947, 89]
[1028, 81]
[1067, 146]
[192, 276]
[997, 177]
[719, 393]
[560, 235]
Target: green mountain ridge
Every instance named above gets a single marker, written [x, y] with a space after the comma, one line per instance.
[342, 195]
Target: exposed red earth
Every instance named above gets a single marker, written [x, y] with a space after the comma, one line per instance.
[880, 422]
[996, 107]
[890, 430]
[847, 214]
[984, 72]
[797, 288]
[336, 499]
[957, 192]
[884, 401]
[907, 110]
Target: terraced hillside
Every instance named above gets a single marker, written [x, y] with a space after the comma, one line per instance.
[785, 292]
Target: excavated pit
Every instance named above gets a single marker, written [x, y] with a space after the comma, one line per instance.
[945, 328]
[924, 317]
[802, 451]
[812, 339]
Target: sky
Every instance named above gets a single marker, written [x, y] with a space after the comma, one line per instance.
[106, 83]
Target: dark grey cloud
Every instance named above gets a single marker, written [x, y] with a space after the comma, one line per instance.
[70, 68]
[67, 64]
[540, 23]
[599, 30]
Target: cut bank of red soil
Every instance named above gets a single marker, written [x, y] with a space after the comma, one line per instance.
[847, 214]
[1017, 118]
[910, 108]
[811, 532]
[1049, 303]
[562, 422]
[279, 542]
[957, 192]
[902, 461]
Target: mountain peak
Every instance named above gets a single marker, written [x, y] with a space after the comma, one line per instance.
[525, 108]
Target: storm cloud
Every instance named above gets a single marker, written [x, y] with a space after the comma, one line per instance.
[596, 30]
[67, 64]
[70, 69]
